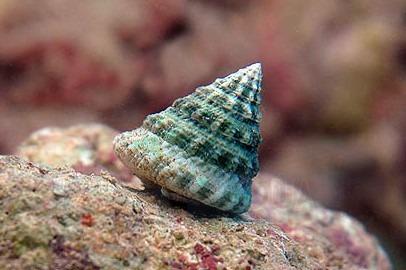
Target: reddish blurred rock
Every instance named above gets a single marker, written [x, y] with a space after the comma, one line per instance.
[216, 40]
[87, 53]
[363, 175]
[322, 60]
[335, 163]
[328, 60]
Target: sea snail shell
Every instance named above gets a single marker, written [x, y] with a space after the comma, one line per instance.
[205, 146]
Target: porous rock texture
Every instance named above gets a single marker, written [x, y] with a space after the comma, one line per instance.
[336, 239]
[62, 219]
[87, 148]
[58, 218]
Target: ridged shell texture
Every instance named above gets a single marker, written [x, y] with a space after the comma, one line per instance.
[205, 146]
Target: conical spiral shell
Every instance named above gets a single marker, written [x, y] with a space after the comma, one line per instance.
[205, 146]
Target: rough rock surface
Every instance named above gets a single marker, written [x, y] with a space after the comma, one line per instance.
[61, 218]
[87, 148]
[335, 239]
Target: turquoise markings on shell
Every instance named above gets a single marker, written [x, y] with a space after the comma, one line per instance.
[149, 144]
[205, 146]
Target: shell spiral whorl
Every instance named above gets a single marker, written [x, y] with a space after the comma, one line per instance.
[205, 146]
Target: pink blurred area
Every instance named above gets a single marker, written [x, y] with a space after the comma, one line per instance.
[334, 83]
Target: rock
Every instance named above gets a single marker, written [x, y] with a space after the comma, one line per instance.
[363, 174]
[337, 240]
[86, 148]
[47, 60]
[58, 217]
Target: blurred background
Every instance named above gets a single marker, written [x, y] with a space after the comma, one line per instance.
[334, 87]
